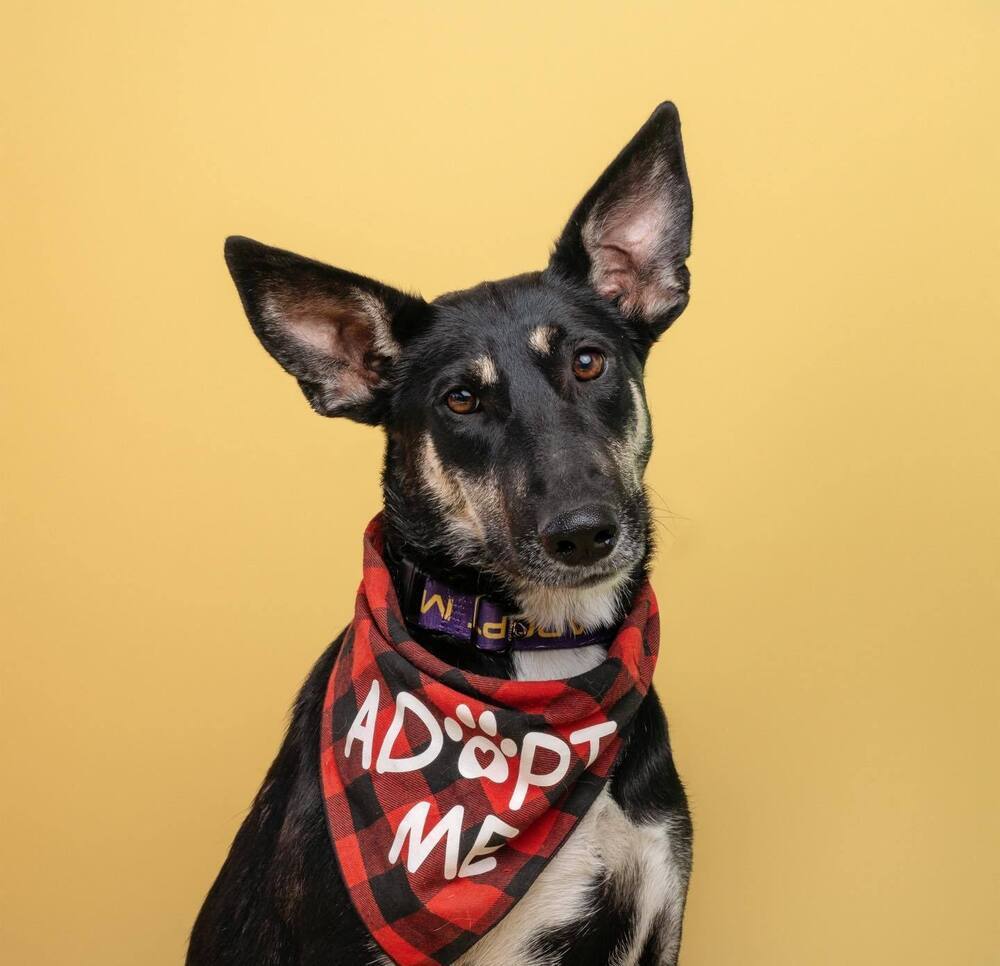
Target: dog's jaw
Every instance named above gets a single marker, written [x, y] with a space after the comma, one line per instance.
[560, 608]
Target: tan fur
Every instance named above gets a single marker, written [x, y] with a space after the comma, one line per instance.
[541, 339]
[628, 453]
[449, 496]
[485, 368]
[468, 506]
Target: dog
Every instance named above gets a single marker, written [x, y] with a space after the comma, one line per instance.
[517, 435]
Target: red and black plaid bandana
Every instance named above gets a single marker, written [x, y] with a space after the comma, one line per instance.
[447, 793]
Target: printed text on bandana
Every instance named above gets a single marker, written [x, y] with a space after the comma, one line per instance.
[485, 755]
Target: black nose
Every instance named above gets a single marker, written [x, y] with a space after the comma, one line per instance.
[581, 536]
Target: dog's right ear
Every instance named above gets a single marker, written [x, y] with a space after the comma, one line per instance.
[338, 333]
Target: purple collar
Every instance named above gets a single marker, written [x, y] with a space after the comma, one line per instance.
[434, 606]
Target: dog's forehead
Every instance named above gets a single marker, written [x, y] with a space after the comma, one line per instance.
[507, 303]
[504, 319]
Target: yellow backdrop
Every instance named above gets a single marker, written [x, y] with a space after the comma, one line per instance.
[182, 536]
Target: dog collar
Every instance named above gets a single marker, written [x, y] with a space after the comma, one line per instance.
[433, 605]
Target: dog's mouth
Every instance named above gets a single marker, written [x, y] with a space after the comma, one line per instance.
[535, 567]
[593, 580]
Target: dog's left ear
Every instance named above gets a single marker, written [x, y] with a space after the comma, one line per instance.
[630, 236]
[338, 333]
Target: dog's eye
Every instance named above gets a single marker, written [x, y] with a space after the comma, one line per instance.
[588, 364]
[462, 401]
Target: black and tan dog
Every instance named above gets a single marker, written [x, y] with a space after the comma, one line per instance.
[517, 437]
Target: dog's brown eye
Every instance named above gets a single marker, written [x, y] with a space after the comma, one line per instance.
[462, 401]
[588, 364]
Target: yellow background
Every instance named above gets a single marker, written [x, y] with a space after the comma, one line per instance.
[181, 536]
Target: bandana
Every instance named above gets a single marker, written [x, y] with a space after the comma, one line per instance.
[446, 792]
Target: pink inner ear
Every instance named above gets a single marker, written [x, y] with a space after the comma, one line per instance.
[625, 245]
[340, 333]
[640, 230]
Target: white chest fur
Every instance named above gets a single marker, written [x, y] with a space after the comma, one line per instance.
[637, 859]
[558, 664]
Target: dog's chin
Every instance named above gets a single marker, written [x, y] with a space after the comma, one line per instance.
[572, 578]
[592, 602]
[557, 597]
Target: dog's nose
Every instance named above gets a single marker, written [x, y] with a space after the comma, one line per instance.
[581, 536]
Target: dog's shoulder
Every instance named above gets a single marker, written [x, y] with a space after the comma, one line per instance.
[645, 782]
[279, 897]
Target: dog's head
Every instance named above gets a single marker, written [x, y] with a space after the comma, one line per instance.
[517, 427]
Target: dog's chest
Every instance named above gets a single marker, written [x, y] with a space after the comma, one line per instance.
[607, 857]
[607, 861]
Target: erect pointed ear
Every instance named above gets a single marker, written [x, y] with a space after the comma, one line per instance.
[631, 234]
[336, 332]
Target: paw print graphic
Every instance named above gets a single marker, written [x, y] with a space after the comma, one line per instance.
[482, 755]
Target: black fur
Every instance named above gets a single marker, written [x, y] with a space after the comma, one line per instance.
[547, 442]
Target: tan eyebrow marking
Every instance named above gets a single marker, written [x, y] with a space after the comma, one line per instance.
[486, 369]
[541, 338]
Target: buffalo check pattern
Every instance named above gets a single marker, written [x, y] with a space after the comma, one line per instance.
[471, 739]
